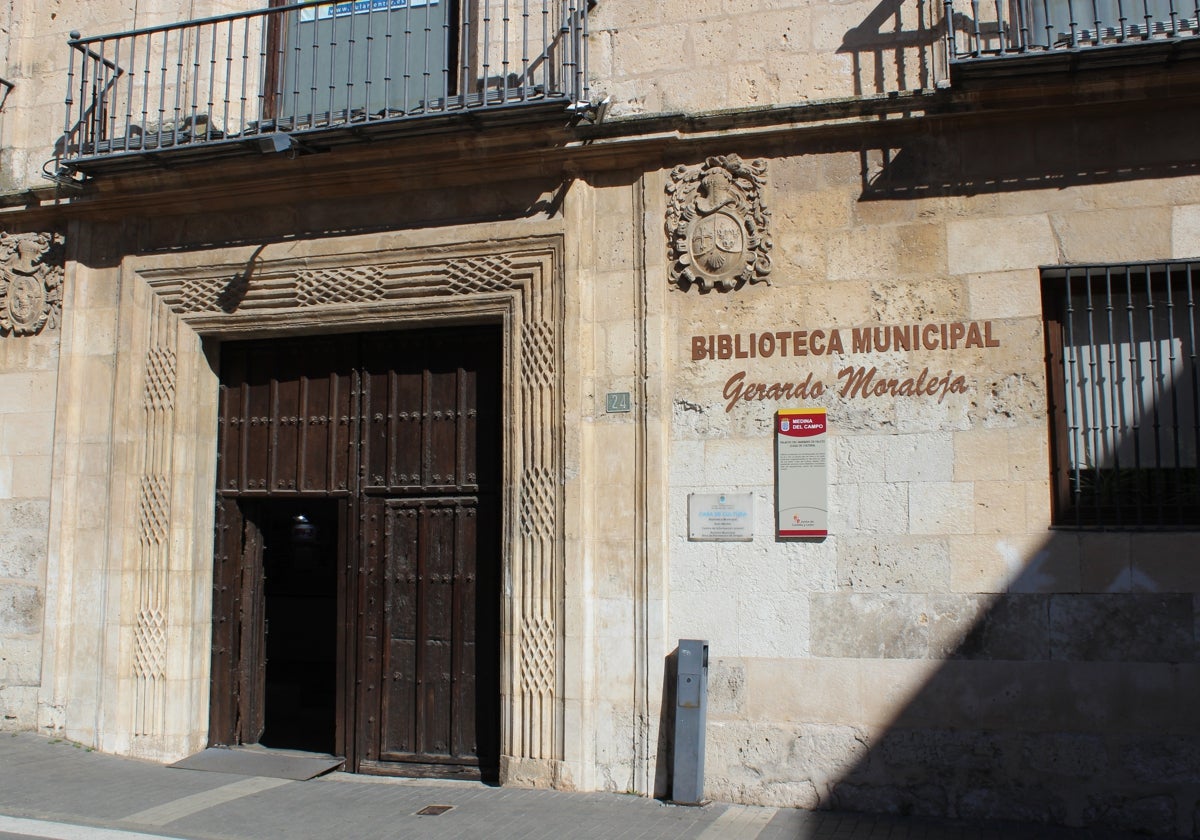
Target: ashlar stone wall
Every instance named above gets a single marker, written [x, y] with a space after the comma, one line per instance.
[942, 651]
[29, 349]
[687, 56]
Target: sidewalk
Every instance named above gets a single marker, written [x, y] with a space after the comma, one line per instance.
[53, 789]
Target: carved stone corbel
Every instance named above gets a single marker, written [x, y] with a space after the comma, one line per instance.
[717, 224]
[31, 276]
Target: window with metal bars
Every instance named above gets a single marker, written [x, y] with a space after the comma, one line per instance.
[1121, 346]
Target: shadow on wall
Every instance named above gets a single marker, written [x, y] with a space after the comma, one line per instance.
[665, 752]
[1058, 150]
[1066, 695]
[1067, 700]
[303, 218]
[892, 49]
[1069, 696]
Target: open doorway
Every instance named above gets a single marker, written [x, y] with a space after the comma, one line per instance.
[300, 555]
[276, 670]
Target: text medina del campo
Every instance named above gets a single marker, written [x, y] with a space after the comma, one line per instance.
[855, 380]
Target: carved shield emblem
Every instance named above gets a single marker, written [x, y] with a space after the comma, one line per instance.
[30, 283]
[717, 243]
[25, 304]
[718, 224]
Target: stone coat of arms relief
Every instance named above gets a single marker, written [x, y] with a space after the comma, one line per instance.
[718, 225]
[31, 274]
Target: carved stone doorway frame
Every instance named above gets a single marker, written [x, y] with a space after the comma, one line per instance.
[155, 699]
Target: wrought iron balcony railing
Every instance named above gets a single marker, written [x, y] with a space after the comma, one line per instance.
[999, 28]
[268, 79]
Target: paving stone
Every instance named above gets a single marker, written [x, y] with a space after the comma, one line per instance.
[52, 780]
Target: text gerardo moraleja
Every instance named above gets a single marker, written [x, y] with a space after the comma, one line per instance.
[861, 381]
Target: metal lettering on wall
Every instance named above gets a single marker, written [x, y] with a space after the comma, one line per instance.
[859, 381]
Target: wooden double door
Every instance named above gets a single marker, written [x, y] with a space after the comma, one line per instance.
[356, 601]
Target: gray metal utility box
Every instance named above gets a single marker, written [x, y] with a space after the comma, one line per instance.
[691, 712]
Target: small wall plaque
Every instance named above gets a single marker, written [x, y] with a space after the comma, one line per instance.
[618, 402]
[720, 517]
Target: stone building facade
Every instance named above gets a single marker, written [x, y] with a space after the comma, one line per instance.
[971, 245]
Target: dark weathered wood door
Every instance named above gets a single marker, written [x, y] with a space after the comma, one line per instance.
[430, 641]
[406, 429]
[239, 629]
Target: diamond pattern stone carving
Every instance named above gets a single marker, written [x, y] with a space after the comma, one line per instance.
[153, 527]
[160, 379]
[339, 285]
[537, 656]
[537, 355]
[200, 295]
[537, 502]
[150, 644]
[213, 295]
[154, 509]
[479, 274]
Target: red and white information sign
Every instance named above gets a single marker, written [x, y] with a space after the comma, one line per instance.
[801, 474]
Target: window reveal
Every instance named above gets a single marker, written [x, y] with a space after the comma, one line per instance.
[1125, 418]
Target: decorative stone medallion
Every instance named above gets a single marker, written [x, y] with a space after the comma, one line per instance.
[718, 225]
[31, 273]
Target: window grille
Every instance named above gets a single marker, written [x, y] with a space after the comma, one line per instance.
[1121, 346]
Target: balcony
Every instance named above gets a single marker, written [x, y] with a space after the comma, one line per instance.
[1095, 30]
[309, 76]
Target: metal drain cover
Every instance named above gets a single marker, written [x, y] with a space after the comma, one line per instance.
[433, 810]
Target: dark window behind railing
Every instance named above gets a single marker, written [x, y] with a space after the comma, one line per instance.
[1122, 343]
[995, 28]
[257, 76]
